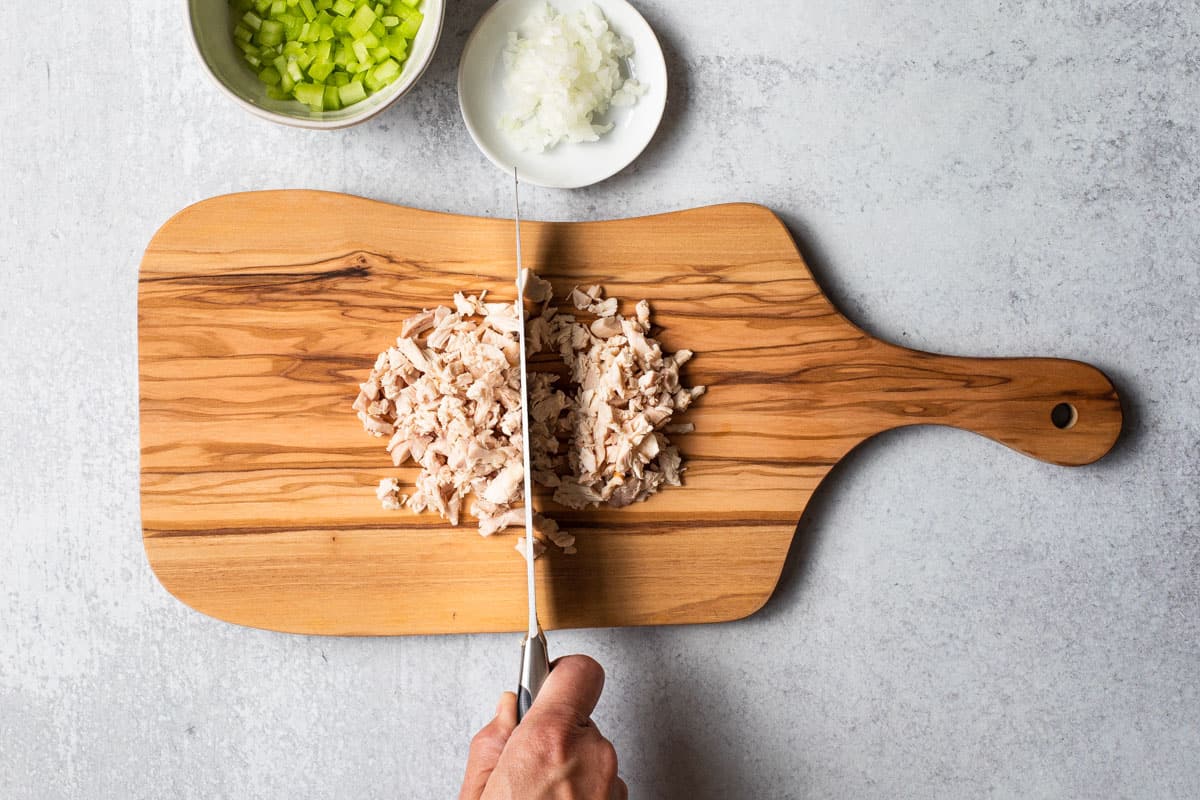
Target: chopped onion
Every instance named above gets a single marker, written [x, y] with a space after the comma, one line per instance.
[563, 73]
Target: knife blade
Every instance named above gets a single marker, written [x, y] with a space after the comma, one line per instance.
[535, 661]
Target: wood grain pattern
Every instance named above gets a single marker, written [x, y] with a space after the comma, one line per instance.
[259, 313]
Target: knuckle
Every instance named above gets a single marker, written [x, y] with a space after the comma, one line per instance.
[606, 759]
[553, 738]
[486, 737]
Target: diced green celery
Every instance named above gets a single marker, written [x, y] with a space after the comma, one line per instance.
[408, 29]
[370, 60]
[269, 76]
[351, 93]
[325, 54]
[397, 45]
[271, 32]
[382, 75]
[388, 69]
[320, 70]
[369, 81]
[310, 93]
[361, 22]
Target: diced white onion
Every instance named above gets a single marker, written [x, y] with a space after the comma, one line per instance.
[561, 74]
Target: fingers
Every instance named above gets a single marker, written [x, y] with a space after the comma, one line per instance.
[556, 748]
[506, 713]
[487, 746]
[574, 684]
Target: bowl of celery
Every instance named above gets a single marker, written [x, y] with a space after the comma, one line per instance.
[315, 63]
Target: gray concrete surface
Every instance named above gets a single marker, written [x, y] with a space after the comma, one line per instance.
[955, 620]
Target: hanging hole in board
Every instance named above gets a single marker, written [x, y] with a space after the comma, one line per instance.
[1064, 416]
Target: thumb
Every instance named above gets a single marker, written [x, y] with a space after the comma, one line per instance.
[573, 685]
[487, 746]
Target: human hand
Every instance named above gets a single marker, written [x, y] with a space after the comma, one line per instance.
[556, 753]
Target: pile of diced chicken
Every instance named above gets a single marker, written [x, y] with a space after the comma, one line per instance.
[448, 396]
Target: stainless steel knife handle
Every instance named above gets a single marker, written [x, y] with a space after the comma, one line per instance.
[535, 666]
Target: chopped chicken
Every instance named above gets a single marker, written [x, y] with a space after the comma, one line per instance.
[616, 411]
[452, 391]
[448, 396]
[389, 494]
[538, 548]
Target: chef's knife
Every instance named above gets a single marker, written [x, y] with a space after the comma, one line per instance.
[535, 662]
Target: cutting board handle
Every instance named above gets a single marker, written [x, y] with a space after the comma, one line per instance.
[1056, 410]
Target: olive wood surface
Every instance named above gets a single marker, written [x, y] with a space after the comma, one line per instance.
[259, 313]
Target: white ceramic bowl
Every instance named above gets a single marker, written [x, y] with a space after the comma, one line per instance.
[212, 35]
[482, 98]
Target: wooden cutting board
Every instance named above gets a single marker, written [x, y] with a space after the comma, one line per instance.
[260, 313]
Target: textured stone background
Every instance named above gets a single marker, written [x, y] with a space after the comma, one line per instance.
[955, 621]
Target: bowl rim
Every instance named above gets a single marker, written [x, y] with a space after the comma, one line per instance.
[566, 183]
[399, 88]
